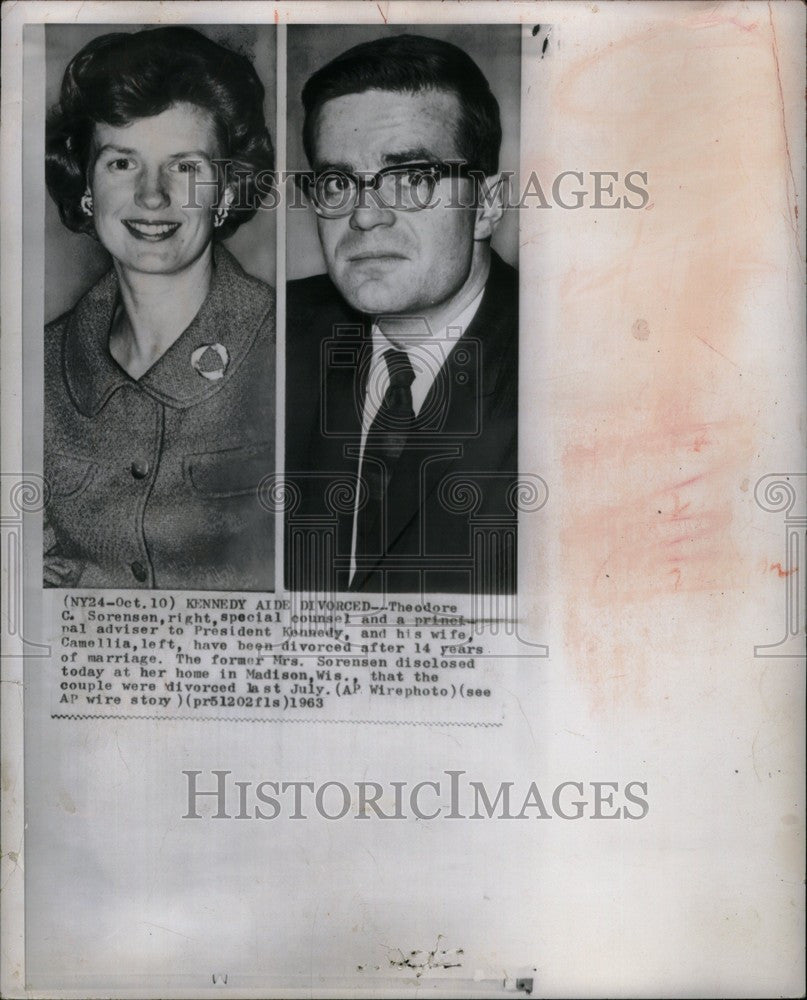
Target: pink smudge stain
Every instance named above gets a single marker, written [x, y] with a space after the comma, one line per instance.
[783, 572]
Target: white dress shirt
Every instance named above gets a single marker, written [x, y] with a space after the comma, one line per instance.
[427, 356]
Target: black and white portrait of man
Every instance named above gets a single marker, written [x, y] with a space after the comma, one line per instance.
[401, 415]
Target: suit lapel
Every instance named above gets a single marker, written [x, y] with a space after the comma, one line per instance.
[452, 416]
[410, 483]
[454, 405]
[477, 382]
[341, 419]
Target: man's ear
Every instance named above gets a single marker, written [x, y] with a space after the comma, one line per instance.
[490, 207]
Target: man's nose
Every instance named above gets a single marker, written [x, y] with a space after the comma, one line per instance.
[368, 214]
[151, 191]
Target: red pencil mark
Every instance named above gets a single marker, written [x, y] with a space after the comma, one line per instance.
[792, 186]
[711, 348]
[784, 572]
[691, 537]
[678, 511]
[714, 18]
[687, 482]
[649, 530]
[701, 441]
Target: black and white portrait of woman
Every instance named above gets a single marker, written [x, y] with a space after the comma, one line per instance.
[160, 376]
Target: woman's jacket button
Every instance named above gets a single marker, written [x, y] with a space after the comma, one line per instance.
[139, 572]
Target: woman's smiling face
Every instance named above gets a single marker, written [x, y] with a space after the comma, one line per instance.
[154, 188]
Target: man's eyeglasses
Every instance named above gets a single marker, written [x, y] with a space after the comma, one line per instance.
[406, 187]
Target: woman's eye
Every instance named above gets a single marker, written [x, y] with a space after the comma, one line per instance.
[121, 163]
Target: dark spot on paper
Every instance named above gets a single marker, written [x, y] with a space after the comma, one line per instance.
[544, 30]
[66, 802]
[640, 329]
[424, 961]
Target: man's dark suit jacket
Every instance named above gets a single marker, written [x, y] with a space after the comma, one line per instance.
[451, 518]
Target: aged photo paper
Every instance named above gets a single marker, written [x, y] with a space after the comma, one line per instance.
[403, 499]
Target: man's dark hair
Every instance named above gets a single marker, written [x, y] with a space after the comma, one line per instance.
[409, 64]
[120, 77]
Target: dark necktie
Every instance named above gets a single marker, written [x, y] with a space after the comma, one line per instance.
[385, 442]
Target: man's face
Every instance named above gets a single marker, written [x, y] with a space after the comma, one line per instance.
[380, 259]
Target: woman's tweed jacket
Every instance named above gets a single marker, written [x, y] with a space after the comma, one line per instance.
[155, 482]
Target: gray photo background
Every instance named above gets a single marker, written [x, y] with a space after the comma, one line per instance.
[73, 261]
[495, 48]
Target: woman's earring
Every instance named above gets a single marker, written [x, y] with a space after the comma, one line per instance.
[220, 215]
[86, 203]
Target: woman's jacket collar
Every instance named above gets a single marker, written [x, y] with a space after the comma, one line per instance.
[236, 307]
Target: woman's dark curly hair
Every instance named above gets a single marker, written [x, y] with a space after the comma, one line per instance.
[120, 77]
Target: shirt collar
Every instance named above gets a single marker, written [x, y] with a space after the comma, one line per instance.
[429, 354]
[447, 336]
[229, 318]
